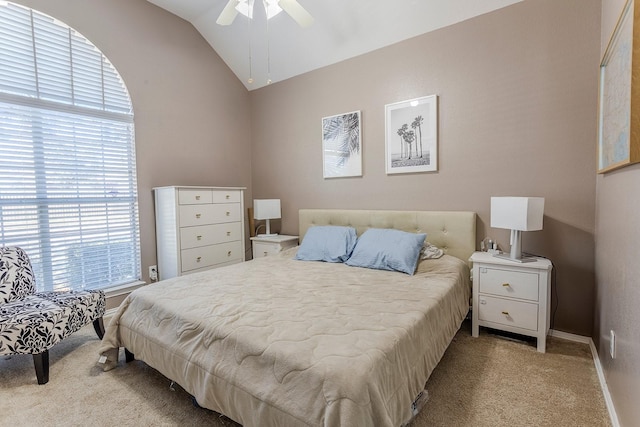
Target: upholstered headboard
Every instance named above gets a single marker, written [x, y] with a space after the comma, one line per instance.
[454, 231]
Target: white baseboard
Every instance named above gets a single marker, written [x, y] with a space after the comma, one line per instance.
[569, 337]
[596, 360]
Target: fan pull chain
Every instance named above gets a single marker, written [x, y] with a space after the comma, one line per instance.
[250, 80]
[268, 47]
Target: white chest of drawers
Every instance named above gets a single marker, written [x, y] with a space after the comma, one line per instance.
[198, 228]
[511, 296]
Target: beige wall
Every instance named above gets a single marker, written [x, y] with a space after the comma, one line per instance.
[190, 110]
[518, 94]
[517, 102]
[618, 267]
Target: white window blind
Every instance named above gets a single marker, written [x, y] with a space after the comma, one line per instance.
[67, 156]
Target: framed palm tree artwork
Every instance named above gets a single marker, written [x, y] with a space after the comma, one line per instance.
[411, 138]
[342, 145]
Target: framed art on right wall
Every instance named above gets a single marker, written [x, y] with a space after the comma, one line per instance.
[411, 135]
[619, 97]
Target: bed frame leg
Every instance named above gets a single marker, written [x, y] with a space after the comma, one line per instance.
[195, 402]
[128, 356]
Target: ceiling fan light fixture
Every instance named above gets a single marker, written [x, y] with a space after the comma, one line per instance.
[271, 7]
[245, 7]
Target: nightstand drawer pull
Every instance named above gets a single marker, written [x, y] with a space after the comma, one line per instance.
[198, 216]
[229, 253]
[228, 213]
[197, 197]
[266, 253]
[228, 233]
[506, 285]
[228, 197]
[506, 313]
[198, 259]
[199, 237]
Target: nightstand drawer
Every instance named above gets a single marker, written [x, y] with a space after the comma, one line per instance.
[509, 283]
[508, 312]
[264, 246]
[263, 249]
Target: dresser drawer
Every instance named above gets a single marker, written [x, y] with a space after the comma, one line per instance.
[205, 235]
[194, 196]
[508, 312]
[229, 196]
[191, 215]
[206, 256]
[509, 283]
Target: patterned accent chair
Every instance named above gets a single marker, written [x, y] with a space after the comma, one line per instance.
[32, 323]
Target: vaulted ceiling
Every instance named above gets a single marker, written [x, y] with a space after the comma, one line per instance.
[342, 29]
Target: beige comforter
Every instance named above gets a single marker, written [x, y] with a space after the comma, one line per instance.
[279, 342]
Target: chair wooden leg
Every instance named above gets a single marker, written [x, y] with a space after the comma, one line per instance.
[41, 362]
[128, 356]
[98, 325]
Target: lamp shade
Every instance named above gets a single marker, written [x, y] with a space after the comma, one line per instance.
[517, 213]
[266, 208]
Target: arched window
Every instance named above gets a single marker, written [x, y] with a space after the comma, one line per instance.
[68, 192]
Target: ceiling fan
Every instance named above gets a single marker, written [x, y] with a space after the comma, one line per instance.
[272, 7]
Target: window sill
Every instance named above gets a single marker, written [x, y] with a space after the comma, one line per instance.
[123, 289]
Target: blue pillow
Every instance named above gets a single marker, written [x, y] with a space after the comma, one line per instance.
[330, 243]
[387, 249]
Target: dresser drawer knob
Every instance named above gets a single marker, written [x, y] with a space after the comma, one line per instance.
[197, 197]
[199, 237]
[228, 233]
[229, 253]
[228, 213]
[506, 285]
[506, 313]
[228, 197]
[198, 216]
[198, 259]
[265, 253]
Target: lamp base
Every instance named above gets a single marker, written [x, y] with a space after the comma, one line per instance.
[521, 260]
[516, 249]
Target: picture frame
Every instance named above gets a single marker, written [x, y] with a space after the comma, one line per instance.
[411, 135]
[619, 94]
[342, 145]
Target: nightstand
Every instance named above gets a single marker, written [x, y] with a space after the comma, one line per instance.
[271, 245]
[511, 296]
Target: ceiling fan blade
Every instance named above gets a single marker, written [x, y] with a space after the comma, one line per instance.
[297, 12]
[229, 13]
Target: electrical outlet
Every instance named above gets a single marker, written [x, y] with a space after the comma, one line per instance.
[153, 273]
[612, 344]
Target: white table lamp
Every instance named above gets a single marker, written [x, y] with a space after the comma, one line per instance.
[267, 209]
[517, 214]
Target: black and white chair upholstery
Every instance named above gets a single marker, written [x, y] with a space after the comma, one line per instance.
[32, 323]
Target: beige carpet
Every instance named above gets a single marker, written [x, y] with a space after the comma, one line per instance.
[488, 381]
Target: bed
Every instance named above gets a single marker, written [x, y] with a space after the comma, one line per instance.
[281, 342]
